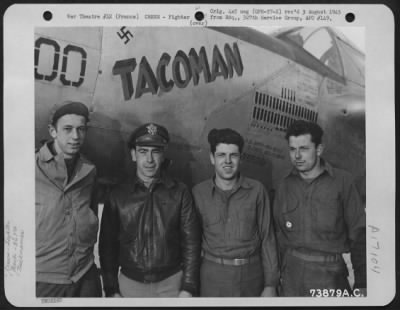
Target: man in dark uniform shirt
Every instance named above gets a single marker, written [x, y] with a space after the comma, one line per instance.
[239, 246]
[319, 216]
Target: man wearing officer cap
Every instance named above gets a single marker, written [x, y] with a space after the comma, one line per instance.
[149, 239]
[66, 214]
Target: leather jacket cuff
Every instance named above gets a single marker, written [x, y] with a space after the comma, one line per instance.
[111, 285]
[192, 289]
[110, 291]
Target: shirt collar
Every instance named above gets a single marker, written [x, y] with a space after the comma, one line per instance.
[165, 180]
[328, 167]
[241, 183]
[47, 155]
[325, 167]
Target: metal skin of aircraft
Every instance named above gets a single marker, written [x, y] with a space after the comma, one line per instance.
[194, 79]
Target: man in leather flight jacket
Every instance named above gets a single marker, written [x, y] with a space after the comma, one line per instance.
[149, 228]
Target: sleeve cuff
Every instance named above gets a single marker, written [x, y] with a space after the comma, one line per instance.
[110, 291]
[271, 279]
[189, 288]
[111, 285]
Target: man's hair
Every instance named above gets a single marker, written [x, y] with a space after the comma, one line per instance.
[225, 135]
[300, 127]
[68, 107]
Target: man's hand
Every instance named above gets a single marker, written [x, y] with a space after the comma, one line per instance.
[116, 295]
[269, 291]
[184, 294]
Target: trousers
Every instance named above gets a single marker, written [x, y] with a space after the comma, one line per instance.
[87, 286]
[169, 287]
[300, 277]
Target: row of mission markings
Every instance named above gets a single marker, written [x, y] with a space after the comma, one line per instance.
[280, 112]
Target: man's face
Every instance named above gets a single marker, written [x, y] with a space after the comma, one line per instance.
[148, 161]
[304, 154]
[69, 134]
[226, 160]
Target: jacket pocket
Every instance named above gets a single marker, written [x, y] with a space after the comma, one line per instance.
[87, 227]
[129, 249]
[39, 209]
[39, 223]
[47, 215]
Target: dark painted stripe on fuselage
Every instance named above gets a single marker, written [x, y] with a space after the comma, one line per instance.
[280, 47]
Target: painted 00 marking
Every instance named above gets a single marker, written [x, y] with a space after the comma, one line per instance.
[56, 59]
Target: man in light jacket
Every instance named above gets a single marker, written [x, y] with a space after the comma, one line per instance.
[66, 216]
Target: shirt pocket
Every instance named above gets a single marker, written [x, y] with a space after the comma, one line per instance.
[211, 222]
[292, 218]
[327, 211]
[247, 222]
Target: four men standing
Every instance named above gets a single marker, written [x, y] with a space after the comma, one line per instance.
[153, 233]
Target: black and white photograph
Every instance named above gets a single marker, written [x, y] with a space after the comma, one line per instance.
[207, 154]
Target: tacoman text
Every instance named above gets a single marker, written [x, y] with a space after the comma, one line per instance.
[183, 69]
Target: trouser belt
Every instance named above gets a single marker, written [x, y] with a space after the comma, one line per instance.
[317, 258]
[232, 261]
[150, 277]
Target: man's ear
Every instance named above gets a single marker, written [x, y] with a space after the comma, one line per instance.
[320, 149]
[133, 154]
[212, 159]
[52, 131]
